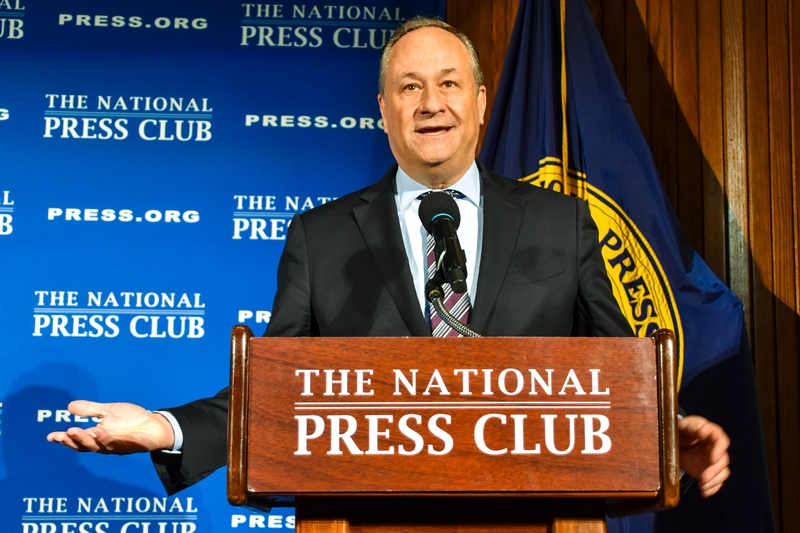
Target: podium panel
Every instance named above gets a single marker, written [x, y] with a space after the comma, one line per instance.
[469, 434]
[539, 415]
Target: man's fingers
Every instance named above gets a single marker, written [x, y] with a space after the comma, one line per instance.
[705, 493]
[710, 488]
[719, 476]
[62, 438]
[76, 438]
[713, 471]
[87, 408]
[105, 441]
[83, 439]
[714, 447]
[720, 442]
[693, 429]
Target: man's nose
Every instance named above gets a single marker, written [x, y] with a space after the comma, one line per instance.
[432, 101]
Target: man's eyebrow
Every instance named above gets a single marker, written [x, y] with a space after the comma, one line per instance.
[414, 74]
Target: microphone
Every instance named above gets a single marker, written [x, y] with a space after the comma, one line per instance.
[439, 215]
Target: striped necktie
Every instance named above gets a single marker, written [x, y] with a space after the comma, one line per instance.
[457, 304]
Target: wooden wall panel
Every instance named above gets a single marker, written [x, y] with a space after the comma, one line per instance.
[662, 109]
[733, 92]
[783, 253]
[637, 72]
[613, 33]
[790, 385]
[762, 332]
[710, 135]
[794, 91]
[596, 8]
[715, 87]
[687, 121]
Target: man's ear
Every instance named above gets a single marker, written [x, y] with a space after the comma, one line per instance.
[481, 102]
[382, 105]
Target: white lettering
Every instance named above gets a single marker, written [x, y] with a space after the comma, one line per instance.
[302, 432]
[479, 437]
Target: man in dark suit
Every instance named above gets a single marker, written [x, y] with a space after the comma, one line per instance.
[352, 267]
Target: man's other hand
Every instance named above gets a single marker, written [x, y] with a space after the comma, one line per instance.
[704, 453]
[125, 428]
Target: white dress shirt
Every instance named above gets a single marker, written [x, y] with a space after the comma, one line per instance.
[177, 445]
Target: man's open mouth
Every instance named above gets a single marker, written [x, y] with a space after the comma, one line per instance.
[434, 130]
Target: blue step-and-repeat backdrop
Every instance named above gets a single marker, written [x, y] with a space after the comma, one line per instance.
[152, 155]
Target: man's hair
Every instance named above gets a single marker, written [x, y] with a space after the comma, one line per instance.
[417, 23]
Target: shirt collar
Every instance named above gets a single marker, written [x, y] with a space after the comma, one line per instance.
[409, 190]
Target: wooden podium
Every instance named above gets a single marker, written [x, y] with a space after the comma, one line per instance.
[506, 434]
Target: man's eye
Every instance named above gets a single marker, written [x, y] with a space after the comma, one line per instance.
[411, 87]
[449, 84]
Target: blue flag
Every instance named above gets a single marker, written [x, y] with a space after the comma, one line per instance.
[658, 280]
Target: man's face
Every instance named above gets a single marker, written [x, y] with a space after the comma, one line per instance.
[431, 110]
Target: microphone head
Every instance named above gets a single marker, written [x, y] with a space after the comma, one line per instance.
[438, 204]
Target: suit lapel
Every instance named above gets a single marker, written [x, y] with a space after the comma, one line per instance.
[377, 220]
[502, 216]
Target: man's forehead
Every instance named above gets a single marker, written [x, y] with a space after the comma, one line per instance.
[420, 50]
[430, 40]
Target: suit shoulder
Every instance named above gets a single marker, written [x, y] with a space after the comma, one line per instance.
[533, 193]
[337, 207]
[344, 205]
[333, 211]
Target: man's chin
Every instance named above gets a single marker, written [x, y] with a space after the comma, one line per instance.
[436, 158]
[446, 168]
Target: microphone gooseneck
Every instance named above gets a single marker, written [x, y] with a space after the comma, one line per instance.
[435, 295]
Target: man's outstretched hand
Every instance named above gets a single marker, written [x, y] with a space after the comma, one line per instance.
[125, 428]
[704, 453]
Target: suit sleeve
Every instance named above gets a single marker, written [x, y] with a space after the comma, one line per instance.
[292, 313]
[204, 422]
[597, 313]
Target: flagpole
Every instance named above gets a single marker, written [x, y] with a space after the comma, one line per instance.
[564, 132]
